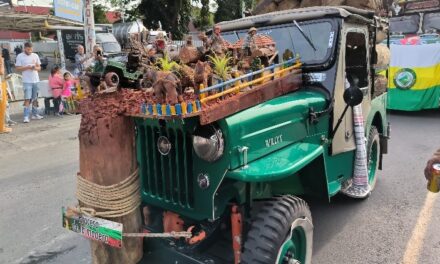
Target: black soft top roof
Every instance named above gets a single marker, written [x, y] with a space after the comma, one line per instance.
[286, 16]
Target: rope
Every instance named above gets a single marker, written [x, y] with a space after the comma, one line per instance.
[116, 200]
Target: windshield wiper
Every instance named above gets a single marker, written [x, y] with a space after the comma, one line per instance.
[304, 35]
[236, 34]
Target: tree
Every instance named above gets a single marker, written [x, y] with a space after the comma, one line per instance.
[173, 15]
[232, 9]
[228, 10]
[129, 9]
[99, 12]
[201, 16]
[204, 15]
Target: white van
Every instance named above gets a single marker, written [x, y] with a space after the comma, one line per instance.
[108, 43]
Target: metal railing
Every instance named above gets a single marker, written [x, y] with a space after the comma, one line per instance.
[221, 86]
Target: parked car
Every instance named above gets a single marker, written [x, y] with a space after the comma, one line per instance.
[44, 60]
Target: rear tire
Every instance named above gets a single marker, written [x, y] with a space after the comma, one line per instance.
[280, 233]
[373, 154]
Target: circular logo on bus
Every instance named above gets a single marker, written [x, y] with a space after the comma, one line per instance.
[405, 78]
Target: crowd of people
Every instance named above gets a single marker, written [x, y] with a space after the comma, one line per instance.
[61, 83]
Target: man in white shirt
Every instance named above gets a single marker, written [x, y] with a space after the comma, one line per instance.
[28, 63]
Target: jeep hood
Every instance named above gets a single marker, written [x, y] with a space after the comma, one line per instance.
[271, 125]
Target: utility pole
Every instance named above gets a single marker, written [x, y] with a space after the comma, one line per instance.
[89, 26]
[61, 49]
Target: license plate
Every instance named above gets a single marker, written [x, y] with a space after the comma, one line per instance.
[93, 228]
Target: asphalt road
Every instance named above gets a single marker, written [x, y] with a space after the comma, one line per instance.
[38, 162]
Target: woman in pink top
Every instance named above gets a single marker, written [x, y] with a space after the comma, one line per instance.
[56, 82]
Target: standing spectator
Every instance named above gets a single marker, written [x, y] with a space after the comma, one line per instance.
[18, 50]
[56, 83]
[98, 59]
[7, 59]
[80, 61]
[29, 64]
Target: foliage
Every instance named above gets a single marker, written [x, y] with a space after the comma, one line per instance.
[249, 4]
[232, 9]
[200, 22]
[227, 10]
[221, 65]
[204, 19]
[128, 8]
[99, 12]
[166, 64]
[173, 15]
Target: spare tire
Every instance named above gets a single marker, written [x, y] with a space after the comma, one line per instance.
[111, 79]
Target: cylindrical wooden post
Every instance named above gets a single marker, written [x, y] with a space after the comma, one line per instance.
[108, 156]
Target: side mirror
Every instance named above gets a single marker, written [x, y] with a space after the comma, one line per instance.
[353, 96]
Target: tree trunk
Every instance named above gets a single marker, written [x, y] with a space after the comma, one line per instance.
[108, 156]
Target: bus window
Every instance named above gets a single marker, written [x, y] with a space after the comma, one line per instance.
[405, 24]
[431, 23]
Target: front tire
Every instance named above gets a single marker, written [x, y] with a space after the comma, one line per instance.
[280, 233]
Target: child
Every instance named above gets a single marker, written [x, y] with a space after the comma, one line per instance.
[56, 82]
[67, 92]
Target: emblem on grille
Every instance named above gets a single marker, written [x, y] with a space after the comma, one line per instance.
[163, 145]
[203, 180]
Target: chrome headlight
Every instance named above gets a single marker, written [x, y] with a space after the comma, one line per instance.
[208, 143]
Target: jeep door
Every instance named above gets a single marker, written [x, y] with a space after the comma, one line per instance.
[353, 70]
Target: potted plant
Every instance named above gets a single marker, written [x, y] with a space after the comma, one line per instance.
[221, 68]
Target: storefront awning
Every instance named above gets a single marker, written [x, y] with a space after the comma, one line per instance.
[10, 20]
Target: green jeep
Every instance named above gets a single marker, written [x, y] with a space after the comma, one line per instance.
[117, 71]
[235, 183]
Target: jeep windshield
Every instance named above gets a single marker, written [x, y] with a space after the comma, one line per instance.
[289, 39]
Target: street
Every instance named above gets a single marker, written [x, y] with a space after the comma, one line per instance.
[39, 161]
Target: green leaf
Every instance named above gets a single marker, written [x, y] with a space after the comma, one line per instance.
[221, 65]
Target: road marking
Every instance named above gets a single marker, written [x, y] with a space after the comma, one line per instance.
[415, 243]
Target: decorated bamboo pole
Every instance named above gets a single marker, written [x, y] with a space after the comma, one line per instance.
[108, 157]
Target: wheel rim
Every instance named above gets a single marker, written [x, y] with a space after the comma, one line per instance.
[298, 244]
[372, 163]
[294, 249]
[115, 79]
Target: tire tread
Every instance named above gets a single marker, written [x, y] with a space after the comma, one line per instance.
[270, 226]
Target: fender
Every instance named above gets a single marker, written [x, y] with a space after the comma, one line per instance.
[278, 165]
[377, 115]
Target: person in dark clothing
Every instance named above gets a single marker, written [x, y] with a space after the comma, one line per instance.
[18, 50]
[7, 59]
